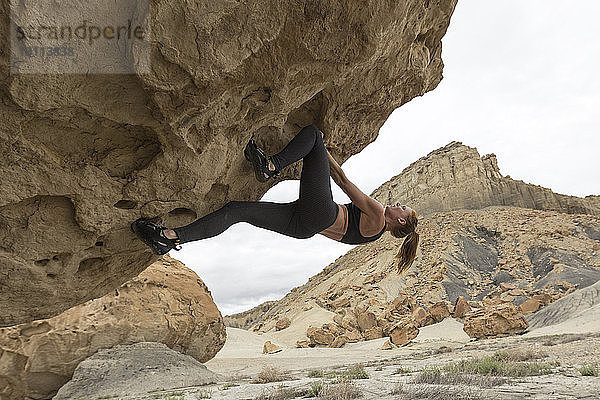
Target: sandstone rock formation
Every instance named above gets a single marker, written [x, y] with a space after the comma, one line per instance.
[495, 258]
[567, 307]
[246, 318]
[455, 177]
[166, 303]
[501, 320]
[131, 370]
[85, 155]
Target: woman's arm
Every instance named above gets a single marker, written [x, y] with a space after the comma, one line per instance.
[362, 201]
[337, 174]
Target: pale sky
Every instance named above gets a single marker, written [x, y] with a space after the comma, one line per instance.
[521, 80]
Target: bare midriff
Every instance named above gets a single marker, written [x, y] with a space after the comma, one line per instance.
[337, 230]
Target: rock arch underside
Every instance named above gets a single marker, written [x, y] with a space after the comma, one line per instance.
[85, 155]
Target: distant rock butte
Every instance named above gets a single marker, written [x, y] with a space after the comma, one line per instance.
[85, 155]
[166, 303]
[455, 177]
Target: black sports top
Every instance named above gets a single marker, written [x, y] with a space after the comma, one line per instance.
[352, 235]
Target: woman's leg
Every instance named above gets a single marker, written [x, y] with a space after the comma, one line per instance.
[316, 207]
[303, 218]
[277, 217]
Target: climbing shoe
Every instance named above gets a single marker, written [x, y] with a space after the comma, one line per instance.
[260, 162]
[152, 235]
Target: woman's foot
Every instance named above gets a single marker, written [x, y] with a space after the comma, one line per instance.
[169, 234]
[264, 168]
[154, 236]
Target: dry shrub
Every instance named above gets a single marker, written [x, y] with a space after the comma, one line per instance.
[271, 374]
[435, 376]
[343, 390]
[520, 354]
[424, 392]
[281, 392]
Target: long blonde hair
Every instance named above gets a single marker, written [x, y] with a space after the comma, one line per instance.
[408, 250]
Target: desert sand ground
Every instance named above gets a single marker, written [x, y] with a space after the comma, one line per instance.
[391, 373]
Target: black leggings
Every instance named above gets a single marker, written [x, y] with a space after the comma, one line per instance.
[314, 210]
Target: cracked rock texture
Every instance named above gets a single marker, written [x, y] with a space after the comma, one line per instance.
[85, 155]
[166, 303]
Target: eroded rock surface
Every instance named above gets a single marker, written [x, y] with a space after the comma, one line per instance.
[455, 177]
[567, 307]
[136, 369]
[501, 320]
[85, 155]
[166, 303]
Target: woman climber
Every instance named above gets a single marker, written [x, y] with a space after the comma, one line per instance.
[362, 220]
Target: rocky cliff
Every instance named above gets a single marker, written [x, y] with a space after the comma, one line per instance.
[455, 177]
[85, 155]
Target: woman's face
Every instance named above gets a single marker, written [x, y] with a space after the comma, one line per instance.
[398, 212]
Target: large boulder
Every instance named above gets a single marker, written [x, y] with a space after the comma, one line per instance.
[166, 303]
[84, 155]
[461, 308]
[131, 370]
[320, 335]
[501, 320]
[439, 311]
[403, 332]
[282, 323]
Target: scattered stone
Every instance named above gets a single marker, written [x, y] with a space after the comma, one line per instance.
[282, 323]
[341, 302]
[516, 292]
[504, 286]
[544, 299]
[270, 348]
[502, 276]
[339, 341]
[347, 320]
[387, 345]
[439, 311]
[304, 343]
[404, 303]
[373, 333]
[461, 308]
[366, 320]
[422, 317]
[319, 335]
[403, 332]
[530, 306]
[353, 336]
